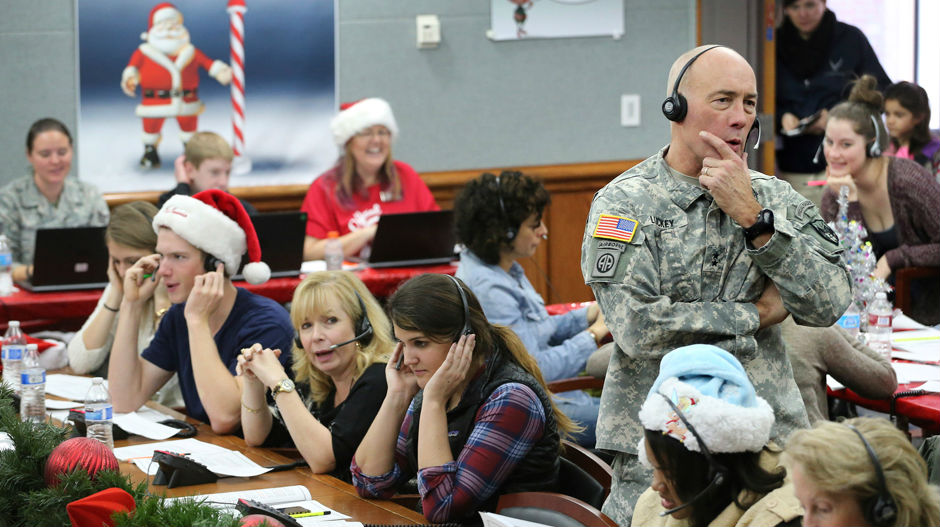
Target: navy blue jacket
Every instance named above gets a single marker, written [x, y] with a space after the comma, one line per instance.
[850, 56]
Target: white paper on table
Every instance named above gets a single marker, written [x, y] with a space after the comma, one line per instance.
[188, 445]
[833, 384]
[922, 345]
[903, 321]
[57, 404]
[929, 386]
[72, 387]
[491, 519]
[271, 496]
[134, 423]
[910, 372]
[218, 459]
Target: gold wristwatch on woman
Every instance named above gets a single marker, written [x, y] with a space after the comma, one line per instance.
[286, 385]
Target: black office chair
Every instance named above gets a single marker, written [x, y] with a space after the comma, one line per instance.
[551, 508]
[583, 475]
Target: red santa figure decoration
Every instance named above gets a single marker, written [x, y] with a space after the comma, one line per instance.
[166, 67]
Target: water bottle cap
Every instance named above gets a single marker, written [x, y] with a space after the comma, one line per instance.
[32, 346]
[97, 380]
[332, 234]
[14, 323]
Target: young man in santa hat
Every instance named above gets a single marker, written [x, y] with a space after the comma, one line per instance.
[200, 243]
[166, 67]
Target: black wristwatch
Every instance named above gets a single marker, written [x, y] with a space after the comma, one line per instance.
[764, 223]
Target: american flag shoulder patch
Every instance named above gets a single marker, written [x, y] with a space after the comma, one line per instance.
[615, 228]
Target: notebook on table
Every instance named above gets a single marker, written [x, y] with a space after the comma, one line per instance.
[68, 258]
[281, 237]
[413, 238]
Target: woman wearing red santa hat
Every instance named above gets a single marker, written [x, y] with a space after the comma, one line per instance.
[365, 182]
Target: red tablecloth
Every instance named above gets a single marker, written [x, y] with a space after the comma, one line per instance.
[922, 410]
[69, 309]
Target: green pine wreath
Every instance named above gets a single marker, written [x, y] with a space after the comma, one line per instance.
[25, 499]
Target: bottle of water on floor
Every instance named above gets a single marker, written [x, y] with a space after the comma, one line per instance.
[14, 347]
[98, 413]
[333, 252]
[880, 315]
[6, 267]
[851, 320]
[32, 387]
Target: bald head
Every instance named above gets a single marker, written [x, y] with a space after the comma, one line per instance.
[720, 54]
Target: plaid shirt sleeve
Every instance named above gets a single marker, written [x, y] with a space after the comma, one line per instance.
[384, 485]
[507, 425]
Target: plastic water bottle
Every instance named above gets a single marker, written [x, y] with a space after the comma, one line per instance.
[6, 267]
[852, 319]
[880, 314]
[32, 387]
[14, 348]
[98, 413]
[333, 252]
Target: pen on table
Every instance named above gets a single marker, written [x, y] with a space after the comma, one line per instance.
[309, 514]
[816, 183]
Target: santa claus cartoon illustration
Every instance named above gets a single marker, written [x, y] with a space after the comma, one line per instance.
[166, 67]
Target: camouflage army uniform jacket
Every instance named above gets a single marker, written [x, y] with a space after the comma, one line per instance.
[685, 276]
[23, 210]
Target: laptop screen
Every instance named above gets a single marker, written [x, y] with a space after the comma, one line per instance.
[69, 258]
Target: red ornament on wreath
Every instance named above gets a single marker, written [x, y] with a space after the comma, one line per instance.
[78, 453]
[258, 520]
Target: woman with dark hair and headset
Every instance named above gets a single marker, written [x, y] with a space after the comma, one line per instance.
[499, 220]
[343, 340]
[862, 471]
[897, 200]
[466, 411]
[707, 440]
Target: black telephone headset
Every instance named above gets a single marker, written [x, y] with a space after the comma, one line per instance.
[211, 262]
[675, 107]
[716, 471]
[467, 329]
[510, 230]
[363, 329]
[880, 511]
[874, 149]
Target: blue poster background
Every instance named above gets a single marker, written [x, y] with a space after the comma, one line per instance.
[289, 91]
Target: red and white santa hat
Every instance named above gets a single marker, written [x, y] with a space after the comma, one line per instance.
[161, 12]
[355, 117]
[216, 222]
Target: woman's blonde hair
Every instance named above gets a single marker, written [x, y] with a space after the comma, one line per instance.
[131, 225]
[833, 457]
[431, 304]
[309, 297]
[349, 185]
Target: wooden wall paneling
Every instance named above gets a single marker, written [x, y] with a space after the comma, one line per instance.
[557, 260]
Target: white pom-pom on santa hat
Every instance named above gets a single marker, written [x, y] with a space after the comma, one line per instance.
[357, 116]
[159, 13]
[215, 222]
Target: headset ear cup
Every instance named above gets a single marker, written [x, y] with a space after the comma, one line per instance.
[674, 107]
[883, 512]
[299, 343]
[874, 150]
[510, 234]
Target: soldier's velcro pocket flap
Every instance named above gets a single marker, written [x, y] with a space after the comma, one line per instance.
[607, 259]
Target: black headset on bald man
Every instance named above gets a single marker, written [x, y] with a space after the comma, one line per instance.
[676, 107]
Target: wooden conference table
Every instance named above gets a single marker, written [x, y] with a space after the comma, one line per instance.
[331, 492]
[67, 310]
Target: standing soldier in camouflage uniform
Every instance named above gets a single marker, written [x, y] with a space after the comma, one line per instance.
[48, 197]
[690, 247]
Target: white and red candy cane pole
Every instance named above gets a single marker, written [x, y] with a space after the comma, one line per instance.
[236, 14]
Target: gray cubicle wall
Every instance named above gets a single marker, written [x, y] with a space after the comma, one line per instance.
[469, 103]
